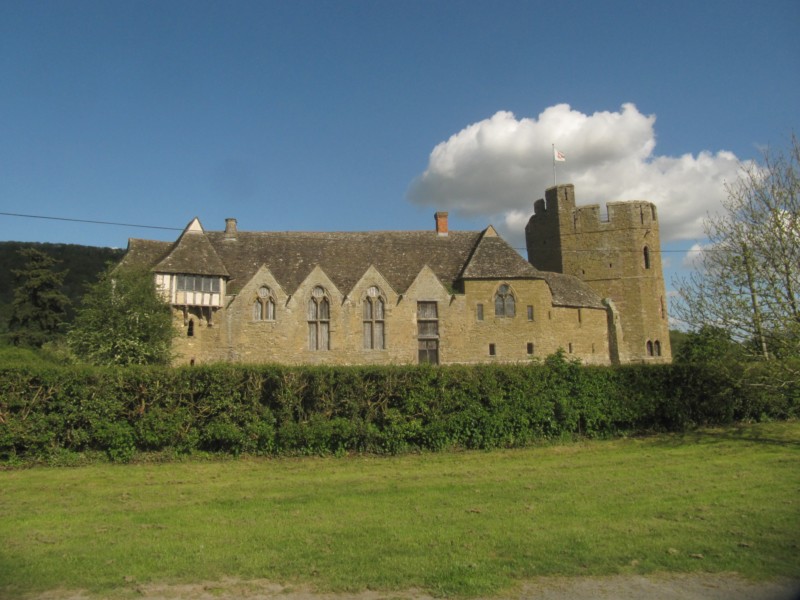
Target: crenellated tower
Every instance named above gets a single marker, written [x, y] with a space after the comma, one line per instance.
[618, 255]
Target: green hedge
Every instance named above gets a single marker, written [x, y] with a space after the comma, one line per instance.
[271, 410]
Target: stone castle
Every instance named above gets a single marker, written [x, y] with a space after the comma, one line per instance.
[619, 257]
[591, 287]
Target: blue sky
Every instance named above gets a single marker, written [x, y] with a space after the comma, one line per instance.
[358, 115]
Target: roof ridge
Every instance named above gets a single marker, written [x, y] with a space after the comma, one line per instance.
[472, 253]
[360, 232]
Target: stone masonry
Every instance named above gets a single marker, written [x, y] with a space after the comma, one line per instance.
[619, 257]
[592, 288]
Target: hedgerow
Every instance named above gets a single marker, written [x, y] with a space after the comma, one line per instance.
[46, 411]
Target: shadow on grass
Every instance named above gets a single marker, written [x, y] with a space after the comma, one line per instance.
[783, 434]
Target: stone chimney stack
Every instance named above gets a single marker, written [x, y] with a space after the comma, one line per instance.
[230, 228]
[441, 223]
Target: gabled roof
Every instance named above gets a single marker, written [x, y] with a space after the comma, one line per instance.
[192, 253]
[345, 256]
[493, 258]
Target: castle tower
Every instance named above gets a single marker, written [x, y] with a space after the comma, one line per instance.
[618, 256]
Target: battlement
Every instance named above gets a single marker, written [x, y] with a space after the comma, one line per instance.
[631, 214]
[559, 201]
[613, 249]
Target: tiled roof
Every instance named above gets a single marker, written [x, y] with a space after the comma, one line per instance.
[493, 258]
[145, 252]
[345, 257]
[193, 253]
[568, 290]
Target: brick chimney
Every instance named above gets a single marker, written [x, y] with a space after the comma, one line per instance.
[441, 223]
[230, 228]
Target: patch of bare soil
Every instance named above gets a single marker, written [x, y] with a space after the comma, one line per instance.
[695, 586]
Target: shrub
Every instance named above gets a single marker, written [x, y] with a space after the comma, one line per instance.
[46, 411]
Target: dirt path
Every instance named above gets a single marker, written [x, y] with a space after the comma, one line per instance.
[623, 587]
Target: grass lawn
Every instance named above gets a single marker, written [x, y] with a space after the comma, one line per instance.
[462, 523]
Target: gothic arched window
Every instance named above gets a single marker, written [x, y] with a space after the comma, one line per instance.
[504, 305]
[264, 305]
[319, 320]
[374, 324]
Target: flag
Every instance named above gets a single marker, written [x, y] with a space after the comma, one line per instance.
[558, 156]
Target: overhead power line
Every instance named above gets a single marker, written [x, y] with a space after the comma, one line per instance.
[93, 222]
[8, 214]
[593, 251]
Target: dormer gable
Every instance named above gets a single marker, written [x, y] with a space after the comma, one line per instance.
[317, 278]
[427, 285]
[372, 277]
[194, 226]
[193, 254]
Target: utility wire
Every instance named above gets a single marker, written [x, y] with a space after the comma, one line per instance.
[636, 251]
[8, 214]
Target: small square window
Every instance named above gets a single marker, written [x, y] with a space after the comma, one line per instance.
[492, 350]
[530, 348]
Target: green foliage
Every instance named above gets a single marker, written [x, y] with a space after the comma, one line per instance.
[708, 345]
[123, 321]
[20, 356]
[268, 410]
[676, 340]
[81, 265]
[747, 280]
[39, 304]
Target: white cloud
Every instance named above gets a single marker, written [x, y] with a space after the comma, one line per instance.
[499, 166]
[693, 258]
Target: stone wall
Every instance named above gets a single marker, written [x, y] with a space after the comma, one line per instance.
[463, 337]
[618, 256]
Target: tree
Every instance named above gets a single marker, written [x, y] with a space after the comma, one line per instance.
[39, 305]
[708, 345]
[123, 320]
[748, 281]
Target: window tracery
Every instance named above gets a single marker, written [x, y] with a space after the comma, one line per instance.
[373, 320]
[319, 320]
[264, 305]
[504, 303]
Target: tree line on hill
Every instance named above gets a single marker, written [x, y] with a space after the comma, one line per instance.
[78, 266]
[119, 318]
